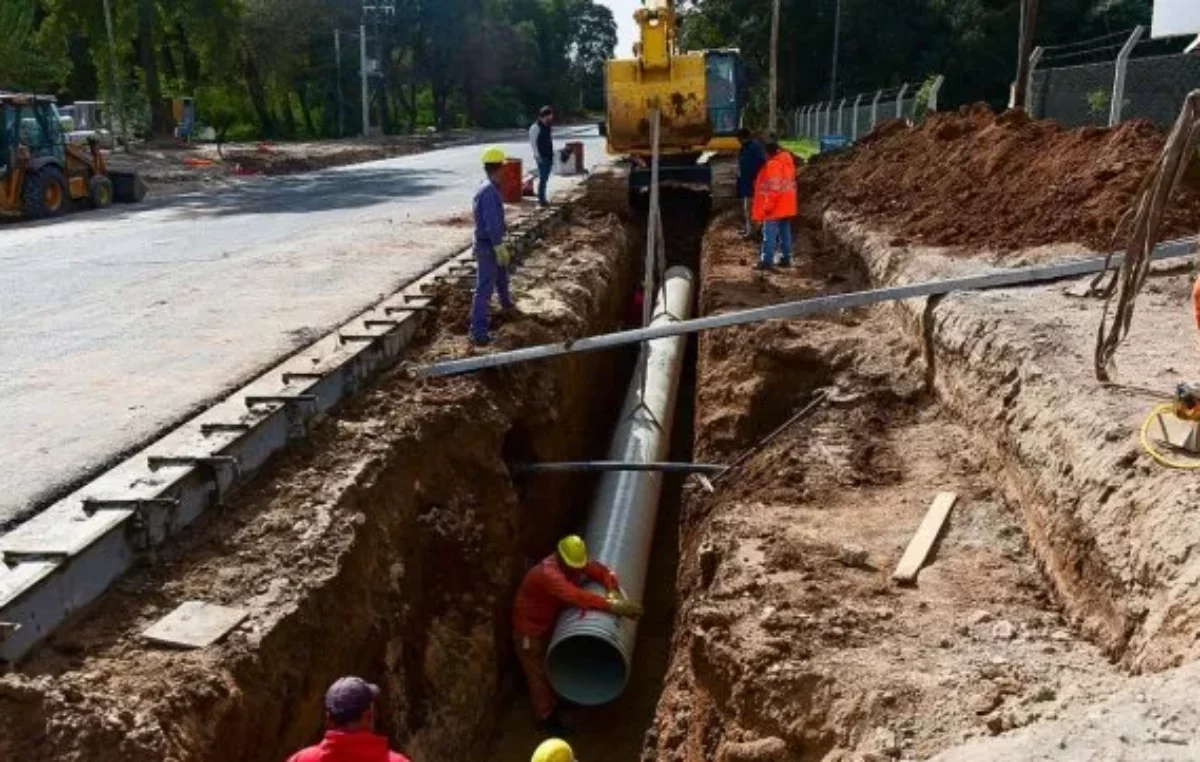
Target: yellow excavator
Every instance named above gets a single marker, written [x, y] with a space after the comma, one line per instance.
[699, 96]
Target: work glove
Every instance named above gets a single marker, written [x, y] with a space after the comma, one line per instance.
[504, 254]
[627, 609]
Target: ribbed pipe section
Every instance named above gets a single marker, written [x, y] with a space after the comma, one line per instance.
[589, 657]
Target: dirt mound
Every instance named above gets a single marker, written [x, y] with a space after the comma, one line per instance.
[1004, 182]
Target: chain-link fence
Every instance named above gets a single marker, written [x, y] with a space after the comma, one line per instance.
[1110, 79]
[853, 117]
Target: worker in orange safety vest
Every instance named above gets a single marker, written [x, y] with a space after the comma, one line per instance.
[776, 202]
[549, 588]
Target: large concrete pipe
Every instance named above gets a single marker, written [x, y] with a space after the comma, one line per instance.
[589, 657]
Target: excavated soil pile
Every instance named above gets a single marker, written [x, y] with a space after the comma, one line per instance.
[973, 178]
[792, 643]
[388, 545]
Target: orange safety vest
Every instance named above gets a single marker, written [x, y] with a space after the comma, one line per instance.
[775, 196]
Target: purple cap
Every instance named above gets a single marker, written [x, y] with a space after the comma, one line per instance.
[349, 698]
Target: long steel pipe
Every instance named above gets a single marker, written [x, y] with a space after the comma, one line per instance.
[1007, 278]
[590, 655]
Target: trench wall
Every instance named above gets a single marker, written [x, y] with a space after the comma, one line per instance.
[1113, 532]
[388, 546]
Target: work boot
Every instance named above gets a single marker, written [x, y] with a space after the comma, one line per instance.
[479, 341]
[764, 266]
[511, 313]
[785, 262]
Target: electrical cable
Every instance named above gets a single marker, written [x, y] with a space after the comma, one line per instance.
[1153, 452]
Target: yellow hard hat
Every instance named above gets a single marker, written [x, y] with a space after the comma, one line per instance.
[554, 750]
[494, 155]
[573, 551]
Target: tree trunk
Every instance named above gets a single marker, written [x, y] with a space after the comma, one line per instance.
[310, 127]
[1029, 14]
[191, 62]
[774, 92]
[289, 116]
[146, 24]
[258, 97]
[412, 104]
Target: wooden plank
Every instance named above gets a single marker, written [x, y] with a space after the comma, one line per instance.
[923, 541]
[195, 624]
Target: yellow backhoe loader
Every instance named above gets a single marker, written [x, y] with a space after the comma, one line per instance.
[699, 95]
[41, 172]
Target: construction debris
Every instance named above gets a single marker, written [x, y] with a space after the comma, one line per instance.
[195, 624]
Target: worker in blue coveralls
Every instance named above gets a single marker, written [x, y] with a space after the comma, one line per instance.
[492, 253]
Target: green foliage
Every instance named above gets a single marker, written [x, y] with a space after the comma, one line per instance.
[924, 96]
[885, 44]
[27, 60]
[1099, 102]
[804, 148]
[268, 67]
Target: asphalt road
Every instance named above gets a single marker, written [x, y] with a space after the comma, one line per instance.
[116, 325]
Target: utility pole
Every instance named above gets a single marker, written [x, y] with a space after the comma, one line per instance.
[366, 89]
[774, 94]
[837, 45]
[116, 74]
[341, 100]
[1029, 16]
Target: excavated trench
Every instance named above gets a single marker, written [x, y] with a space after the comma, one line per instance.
[793, 644]
[388, 545]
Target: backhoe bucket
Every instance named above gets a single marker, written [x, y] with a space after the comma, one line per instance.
[128, 187]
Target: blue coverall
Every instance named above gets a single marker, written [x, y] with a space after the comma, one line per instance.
[490, 230]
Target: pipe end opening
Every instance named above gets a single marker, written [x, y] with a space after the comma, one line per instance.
[587, 670]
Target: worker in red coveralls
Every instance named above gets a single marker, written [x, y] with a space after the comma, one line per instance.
[548, 588]
[349, 727]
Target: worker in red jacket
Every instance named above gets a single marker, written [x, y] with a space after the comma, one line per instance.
[776, 202]
[550, 587]
[349, 727]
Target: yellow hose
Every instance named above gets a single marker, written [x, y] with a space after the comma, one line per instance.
[1167, 407]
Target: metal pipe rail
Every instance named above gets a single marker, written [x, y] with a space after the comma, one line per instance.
[1020, 276]
[609, 466]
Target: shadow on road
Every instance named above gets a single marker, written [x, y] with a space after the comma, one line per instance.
[327, 190]
[323, 191]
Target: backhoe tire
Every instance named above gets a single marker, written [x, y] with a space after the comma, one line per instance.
[45, 193]
[100, 192]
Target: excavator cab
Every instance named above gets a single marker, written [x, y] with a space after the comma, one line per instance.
[727, 95]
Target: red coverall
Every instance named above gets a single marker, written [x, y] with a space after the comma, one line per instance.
[547, 589]
[354, 746]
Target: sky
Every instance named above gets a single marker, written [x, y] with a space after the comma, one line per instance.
[626, 28]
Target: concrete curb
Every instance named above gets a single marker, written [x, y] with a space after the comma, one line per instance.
[62, 559]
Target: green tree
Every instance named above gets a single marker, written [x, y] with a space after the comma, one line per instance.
[28, 60]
